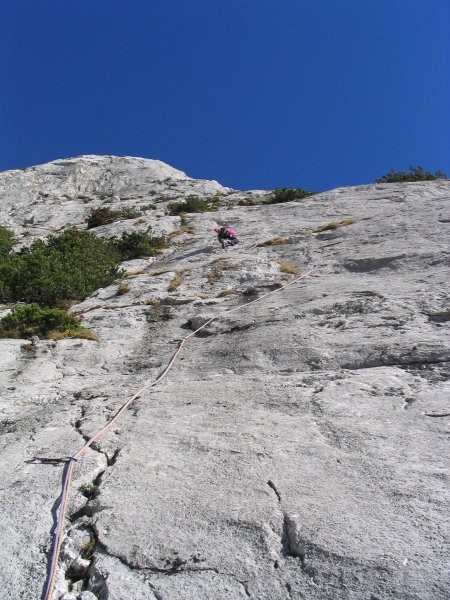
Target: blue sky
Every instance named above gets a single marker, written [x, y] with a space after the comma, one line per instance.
[254, 93]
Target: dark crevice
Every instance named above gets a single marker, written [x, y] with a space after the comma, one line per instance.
[88, 552]
[446, 414]
[88, 509]
[408, 403]
[176, 564]
[111, 460]
[79, 423]
[395, 362]
[155, 592]
[178, 567]
[289, 546]
[78, 572]
[271, 484]
[439, 317]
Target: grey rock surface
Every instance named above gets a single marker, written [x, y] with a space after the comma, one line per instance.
[296, 450]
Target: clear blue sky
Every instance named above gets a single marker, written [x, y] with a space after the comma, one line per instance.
[254, 93]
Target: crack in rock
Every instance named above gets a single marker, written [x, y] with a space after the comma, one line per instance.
[98, 581]
[395, 362]
[291, 545]
[271, 484]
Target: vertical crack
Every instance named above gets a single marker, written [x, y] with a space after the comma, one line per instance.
[289, 544]
[155, 592]
[271, 484]
[82, 541]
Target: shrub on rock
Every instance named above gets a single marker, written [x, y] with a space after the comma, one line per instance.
[70, 266]
[414, 174]
[192, 204]
[139, 243]
[6, 240]
[32, 320]
[286, 194]
[104, 216]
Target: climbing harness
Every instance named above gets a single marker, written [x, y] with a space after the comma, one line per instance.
[69, 461]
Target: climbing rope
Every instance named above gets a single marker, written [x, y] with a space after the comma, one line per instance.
[69, 461]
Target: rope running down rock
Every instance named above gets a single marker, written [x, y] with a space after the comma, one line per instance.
[70, 460]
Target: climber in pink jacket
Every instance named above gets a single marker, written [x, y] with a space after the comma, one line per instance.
[226, 236]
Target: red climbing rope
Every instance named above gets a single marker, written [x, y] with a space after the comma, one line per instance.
[70, 460]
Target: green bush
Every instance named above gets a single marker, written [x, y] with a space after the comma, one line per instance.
[6, 241]
[105, 215]
[192, 204]
[31, 320]
[139, 243]
[414, 174]
[288, 195]
[68, 267]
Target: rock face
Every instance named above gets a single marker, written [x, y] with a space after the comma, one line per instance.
[296, 450]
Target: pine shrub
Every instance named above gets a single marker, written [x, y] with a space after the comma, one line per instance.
[28, 321]
[139, 243]
[414, 174]
[286, 194]
[105, 215]
[6, 241]
[192, 204]
[70, 266]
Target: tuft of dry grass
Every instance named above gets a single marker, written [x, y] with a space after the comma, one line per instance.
[177, 280]
[218, 259]
[122, 289]
[287, 267]
[215, 273]
[85, 334]
[88, 549]
[229, 292]
[65, 304]
[28, 347]
[82, 333]
[183, 218]
[160, 272]
[334, 225]
[276, 241]
[180, 231]
[134, 273]
[153, 302]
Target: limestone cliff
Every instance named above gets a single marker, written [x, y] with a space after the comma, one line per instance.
[297, 448]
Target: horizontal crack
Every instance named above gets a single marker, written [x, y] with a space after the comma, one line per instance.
[178, 569]
[395, 363]
[446, 414]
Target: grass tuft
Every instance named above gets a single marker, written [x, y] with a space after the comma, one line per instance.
[229, 292]
[276, 241]
[82, 332]
[334, 225]
[216, 273]
[160, 272]
[153, 302]
[287, 267]
[122, 289]
[89, 490]
[177, 280]
[88, 549]
[180, 231]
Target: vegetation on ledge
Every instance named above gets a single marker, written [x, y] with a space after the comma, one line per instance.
[414, 174]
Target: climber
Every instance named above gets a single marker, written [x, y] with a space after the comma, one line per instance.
[226, 236]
